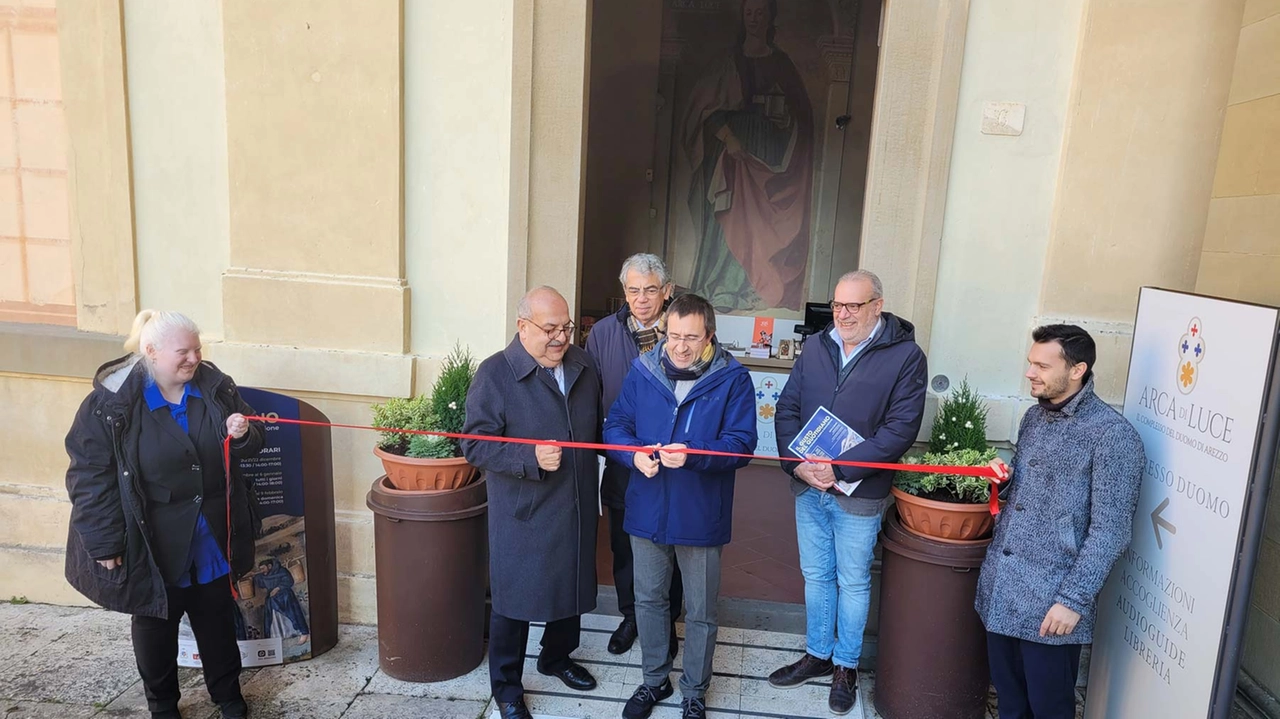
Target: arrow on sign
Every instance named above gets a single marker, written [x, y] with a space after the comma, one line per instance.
[1157, 522]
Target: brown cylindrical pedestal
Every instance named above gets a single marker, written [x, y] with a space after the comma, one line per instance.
[432, 563]
[932, 661]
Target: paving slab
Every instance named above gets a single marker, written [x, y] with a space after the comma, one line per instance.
[71, 662]
[381, 706]
[45, 710]
[471, 686]
[27, 628]
[298, 708]
[91, 662]
[195, 702]
[333, 678]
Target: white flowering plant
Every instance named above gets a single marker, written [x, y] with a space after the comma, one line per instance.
[412, 413]
[449, 395]
[958, 439]
[961, 422]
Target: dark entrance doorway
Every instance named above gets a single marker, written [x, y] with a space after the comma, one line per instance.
[731, 138]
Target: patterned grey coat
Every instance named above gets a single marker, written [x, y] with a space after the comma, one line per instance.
[1067, 518]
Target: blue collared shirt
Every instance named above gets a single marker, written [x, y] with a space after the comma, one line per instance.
[557, 372]
[205, 559]
[845, 359]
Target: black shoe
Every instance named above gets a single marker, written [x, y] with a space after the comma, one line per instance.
[574, 676]
[645, 697]
[514, 710]
[844, 690]
[674, 647]
[235, 709]
[624, 636]
[793, 675]
[169, 714]
[693, 709]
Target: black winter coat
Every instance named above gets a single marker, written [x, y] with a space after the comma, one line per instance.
[880, 395]
[117, 512]
[542, 525]
[613, 349]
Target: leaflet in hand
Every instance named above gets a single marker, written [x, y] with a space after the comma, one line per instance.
[824, 436]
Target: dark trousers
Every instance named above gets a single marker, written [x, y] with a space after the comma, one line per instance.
[507, 640]
[624, 570]
[155, 645]
[1033, 680]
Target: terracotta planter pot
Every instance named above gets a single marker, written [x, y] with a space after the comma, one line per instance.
[944, 521]
[426, 475]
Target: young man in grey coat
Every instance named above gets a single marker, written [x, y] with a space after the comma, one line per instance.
[1067, 517]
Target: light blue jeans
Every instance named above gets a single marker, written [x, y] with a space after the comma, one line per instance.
[835, 558]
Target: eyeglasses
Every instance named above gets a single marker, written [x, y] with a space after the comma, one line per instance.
[685, 339]
[553, 332]
[853, 307]
[649, 291]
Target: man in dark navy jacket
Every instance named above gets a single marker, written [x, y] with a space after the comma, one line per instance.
[868, 371]
[614, 343]
[687, 393]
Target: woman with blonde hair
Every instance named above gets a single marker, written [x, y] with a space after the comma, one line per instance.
[156, 530]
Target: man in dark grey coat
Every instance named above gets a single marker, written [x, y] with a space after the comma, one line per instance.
[542, 499]
[1076, 476]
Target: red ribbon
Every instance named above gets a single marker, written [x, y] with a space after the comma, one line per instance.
[981, 471]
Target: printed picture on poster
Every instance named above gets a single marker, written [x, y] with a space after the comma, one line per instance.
[272, 617]
[785, 351]
[762, 335]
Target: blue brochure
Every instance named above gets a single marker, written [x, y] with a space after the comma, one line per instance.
[824, 436]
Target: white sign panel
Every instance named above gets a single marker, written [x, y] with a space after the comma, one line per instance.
[253, 653]
[768, 389]
[1197, 380]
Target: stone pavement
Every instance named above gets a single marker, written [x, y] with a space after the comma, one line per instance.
[71, 662]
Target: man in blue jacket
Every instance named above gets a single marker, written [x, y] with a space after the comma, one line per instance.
[687, 393]
[868, 371]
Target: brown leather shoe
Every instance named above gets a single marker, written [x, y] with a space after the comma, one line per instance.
[793, 675]
[844, 690]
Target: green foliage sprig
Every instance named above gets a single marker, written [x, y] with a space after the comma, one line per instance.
[949, 487]
[449, 394]
[402, 413]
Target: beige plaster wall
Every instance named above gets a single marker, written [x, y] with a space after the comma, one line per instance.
[995, 232]
[559, 58]
[314, 151]
[1141, 140]
[921, 55]
[1241, 260]
[458, 137]
[1241, 257]
[91, 55]
[34, 510]
[178, 116]
[289, 217]
[43, 369]
[36, 282]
